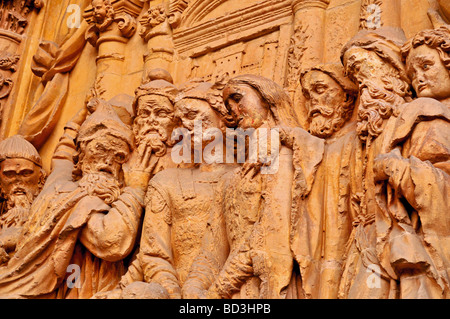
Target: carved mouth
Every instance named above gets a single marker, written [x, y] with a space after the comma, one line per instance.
[106, 170]
[19, 191]
[421, 87]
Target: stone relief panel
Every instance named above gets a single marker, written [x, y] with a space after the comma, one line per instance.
[187, 149]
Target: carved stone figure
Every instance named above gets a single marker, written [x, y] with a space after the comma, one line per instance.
[246, 251]
[330, 98]
[321, 232]
[21, 180]
[413, 169]
[373, 60]
[87, 216]
[155, 117]
[178, 200]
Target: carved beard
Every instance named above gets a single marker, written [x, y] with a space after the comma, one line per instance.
[155, 137]
[327, 122]
[101, 185]
[376, 105]
[19, 197]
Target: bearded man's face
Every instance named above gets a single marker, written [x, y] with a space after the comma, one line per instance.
[19, 181]
[326, 101]
[105, 155]
[154, 122]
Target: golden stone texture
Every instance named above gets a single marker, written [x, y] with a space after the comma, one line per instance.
[257, 149]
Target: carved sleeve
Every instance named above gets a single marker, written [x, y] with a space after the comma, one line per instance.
[423, 177]
[111, 236]
[156, 250]
[62, 160]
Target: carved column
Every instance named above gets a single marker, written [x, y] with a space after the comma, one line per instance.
[14, 22]
[307, 42]
[157, 24]
[110, 34]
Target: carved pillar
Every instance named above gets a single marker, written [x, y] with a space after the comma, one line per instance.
[14, 22]
[109, 32]
[307, 42]
[157, 24]
[379, 13]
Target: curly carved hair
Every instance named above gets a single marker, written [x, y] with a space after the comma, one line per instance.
[438, 39]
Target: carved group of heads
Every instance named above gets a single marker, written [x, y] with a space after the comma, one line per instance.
[385, 71]
[245, 101]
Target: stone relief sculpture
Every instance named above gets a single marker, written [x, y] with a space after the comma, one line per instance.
[308, 160]
[22, 178]
[373, 60]
[321, 233]
[177, 200]
[81, 202]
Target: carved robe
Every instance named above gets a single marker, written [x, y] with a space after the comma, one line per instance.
[413, 227]
[246, 251]
[69, 227]
[177, 209]
[321, 232]
[399, 248]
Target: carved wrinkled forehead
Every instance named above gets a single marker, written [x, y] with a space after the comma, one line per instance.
[386, 42]
[336, 72]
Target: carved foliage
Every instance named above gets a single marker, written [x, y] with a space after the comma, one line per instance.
[154, 22]
[370, 17]
[295, 53]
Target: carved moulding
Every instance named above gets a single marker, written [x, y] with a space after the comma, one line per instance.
[258, 19]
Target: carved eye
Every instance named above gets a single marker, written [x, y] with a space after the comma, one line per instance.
[26, 173]
[191, 115]
[120, 157]
[162, 113]
[321, 89]
[236, 97]
[9, 174]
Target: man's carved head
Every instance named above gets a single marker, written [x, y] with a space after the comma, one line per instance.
[21, 173]
[373, 60]
[330, 98]
[201, 102]
[105, 143]
[427, 58]
[154, 107]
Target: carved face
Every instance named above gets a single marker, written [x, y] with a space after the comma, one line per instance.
[155, 116]
[246, 105]
[105, 155]
[192, 110]
[99, 10]
[429, 76]
[325, 102]
[19, 181]
[363, 65]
